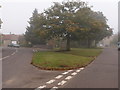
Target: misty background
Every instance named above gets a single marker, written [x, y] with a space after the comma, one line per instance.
[15, 15]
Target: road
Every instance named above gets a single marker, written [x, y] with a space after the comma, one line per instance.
[102, 73]
[17, 72]
[7, 51]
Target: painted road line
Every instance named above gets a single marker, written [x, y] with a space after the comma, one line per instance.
[68, 77]
[9, 55]
[4, 57]
[51, 81]
[41, 87]
[62, 83]
[78, 70]
[54, 88]
[74, 73]
[65, 73]
[70, 70]
[13, 53]
[59, 76]
[81, 68]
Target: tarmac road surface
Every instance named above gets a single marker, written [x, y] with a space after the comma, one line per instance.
[17, 72]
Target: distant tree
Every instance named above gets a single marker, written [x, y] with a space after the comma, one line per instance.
[21, 40]
[32, 35]
[0, 20]
[114, 41]
[100, 29]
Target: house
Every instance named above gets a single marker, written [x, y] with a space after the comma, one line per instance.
[9, 39]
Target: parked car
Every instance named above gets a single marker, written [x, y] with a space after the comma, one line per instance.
[10, 45]
[118, 45]
[14, 45]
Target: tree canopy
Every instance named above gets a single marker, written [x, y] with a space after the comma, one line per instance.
[73, 20]
[32, 35]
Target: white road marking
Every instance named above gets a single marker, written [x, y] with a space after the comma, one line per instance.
[41, 87]
[65, 73]
[74, 73]
[59, 76]
[54, 88]
[68, 77]
[51, 81]
[4, 57]
[13, 53]
[81, 68]
[62, 82]
[70, 70]
[9, 55]
[78, 70]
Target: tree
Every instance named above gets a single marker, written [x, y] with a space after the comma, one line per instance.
[114, 41]
[32, 35]
[61, 20]
[94, 26]
[74, 21]
[0, 20]
[68, 21]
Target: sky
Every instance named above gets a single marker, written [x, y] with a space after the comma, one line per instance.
[15, 14]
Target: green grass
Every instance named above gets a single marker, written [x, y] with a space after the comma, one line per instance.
[85, 52]
[57, 60]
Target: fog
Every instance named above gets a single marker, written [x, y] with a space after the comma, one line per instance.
[16, 13]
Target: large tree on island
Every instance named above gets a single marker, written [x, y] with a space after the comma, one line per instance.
[72, 20]
[61, 19]
[68, 21]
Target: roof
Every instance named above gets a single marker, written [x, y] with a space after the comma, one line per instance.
[10, 37]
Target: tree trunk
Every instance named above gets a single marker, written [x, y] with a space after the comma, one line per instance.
[68, 43]
[95, 43]
[88, 43]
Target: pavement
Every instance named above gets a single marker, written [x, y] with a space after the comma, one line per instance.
[17, 72]
[101, 73]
